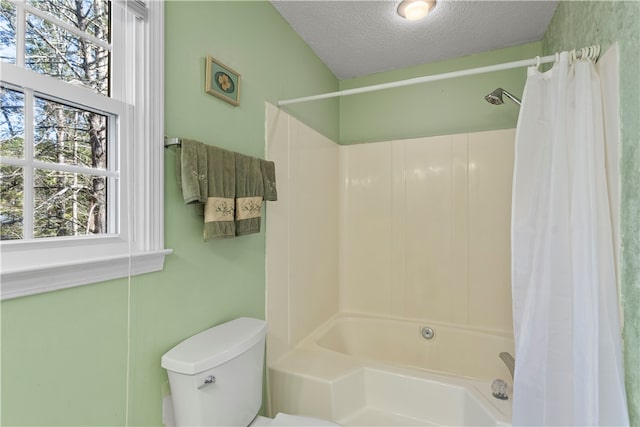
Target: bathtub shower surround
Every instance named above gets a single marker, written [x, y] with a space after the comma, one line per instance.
[302, 232]
[364, 370]
[412, 229]
[425, 231]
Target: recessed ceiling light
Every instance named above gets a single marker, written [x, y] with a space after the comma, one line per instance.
[415, 9]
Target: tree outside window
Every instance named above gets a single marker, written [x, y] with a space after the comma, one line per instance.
[65, 203]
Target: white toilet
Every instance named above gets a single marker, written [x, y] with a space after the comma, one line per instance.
[216, 378]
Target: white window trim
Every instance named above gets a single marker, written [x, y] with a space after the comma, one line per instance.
[95, 259]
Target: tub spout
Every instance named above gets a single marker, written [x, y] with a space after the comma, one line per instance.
[509, 361]
[499, 389]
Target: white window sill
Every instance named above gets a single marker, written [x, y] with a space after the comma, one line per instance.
[37, 280]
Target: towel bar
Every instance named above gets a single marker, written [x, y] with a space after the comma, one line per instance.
[168, 142]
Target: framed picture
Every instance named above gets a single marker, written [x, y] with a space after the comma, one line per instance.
[222, 82]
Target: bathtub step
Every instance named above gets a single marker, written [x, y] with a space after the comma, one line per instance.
[369, 416]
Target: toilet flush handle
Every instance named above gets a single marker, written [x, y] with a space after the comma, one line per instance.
[209, 380]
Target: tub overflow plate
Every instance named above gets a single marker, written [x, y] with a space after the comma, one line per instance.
[427, 333]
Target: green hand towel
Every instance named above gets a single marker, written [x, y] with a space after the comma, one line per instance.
[191, 171]
[219, 208]
[269, 179]
[249, 192]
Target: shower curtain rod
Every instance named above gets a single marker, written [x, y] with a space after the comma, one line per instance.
[590, 52]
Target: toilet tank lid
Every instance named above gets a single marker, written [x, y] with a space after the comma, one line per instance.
[214, 346]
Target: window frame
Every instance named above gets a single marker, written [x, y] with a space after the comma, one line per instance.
[34, 85]
[47, 264]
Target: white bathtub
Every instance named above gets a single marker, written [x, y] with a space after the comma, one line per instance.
[373, 371]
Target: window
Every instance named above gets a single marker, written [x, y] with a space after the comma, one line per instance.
[80, 142]
[67, 165]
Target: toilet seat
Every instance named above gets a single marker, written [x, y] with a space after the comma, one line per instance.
[286, 420]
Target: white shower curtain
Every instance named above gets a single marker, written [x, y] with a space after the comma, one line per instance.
[569, 368]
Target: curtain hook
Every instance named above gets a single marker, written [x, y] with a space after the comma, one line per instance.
[537, 62]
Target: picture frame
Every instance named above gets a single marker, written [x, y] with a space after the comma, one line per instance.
[222, 82]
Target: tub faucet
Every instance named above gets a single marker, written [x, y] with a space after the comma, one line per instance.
[509, 361]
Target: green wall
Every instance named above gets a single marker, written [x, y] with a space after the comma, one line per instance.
[583, 23]
[64, 357]
[438, 108]
[64, 353]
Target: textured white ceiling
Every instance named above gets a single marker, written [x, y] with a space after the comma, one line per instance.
[357, 38]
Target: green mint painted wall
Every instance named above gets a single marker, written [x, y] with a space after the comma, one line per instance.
[583, 23]
[438, 108]
[64, 357]
[64, 354]
[253, 39]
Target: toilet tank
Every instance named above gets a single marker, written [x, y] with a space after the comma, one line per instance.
[216, 375]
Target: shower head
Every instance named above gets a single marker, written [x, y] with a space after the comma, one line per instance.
[495, 97]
